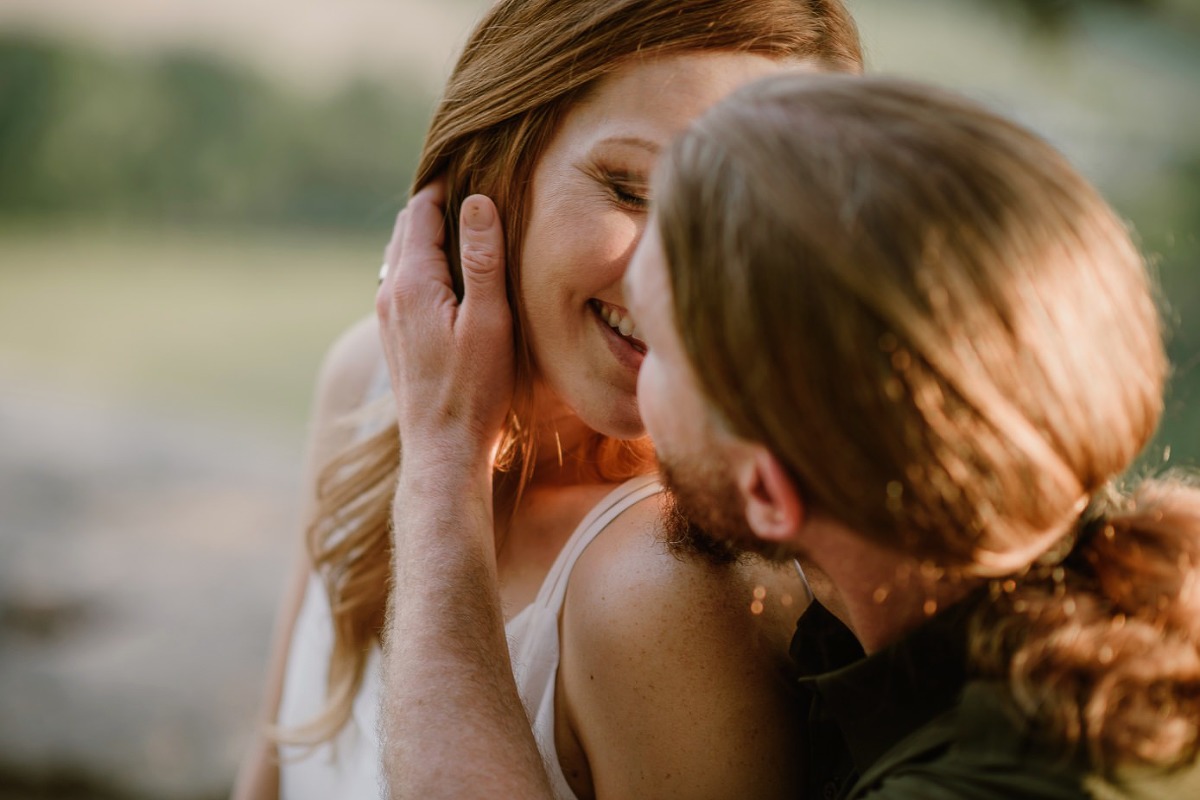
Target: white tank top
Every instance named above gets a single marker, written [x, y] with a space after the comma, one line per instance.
[348, 767]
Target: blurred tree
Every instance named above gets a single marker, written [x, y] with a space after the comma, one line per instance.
[28, 89]
[1055, 12]
[187, 139]
[1172, 240]
[1054, 16]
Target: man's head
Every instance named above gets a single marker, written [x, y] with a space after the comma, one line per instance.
[879, 302]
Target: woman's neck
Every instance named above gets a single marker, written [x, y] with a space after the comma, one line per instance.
[560, 436]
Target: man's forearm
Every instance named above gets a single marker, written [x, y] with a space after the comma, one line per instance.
[453, 723]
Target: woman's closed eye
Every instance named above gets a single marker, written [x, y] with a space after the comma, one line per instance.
[627, 193]
[626, 189]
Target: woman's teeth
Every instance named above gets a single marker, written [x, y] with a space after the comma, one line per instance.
[617, 320]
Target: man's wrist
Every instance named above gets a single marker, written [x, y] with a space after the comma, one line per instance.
[445, 458]
[444, 489]
[438, 484]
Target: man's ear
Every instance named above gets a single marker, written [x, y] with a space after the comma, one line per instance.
[774, 508]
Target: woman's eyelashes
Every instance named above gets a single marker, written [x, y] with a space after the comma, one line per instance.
[627, 190]
[630, 195]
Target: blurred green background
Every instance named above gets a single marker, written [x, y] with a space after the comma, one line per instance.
[194, 198]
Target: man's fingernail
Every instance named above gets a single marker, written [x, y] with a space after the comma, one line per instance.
[477, 214]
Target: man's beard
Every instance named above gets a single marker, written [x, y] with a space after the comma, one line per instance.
[704, 515]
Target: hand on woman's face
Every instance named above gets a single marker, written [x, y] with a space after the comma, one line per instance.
[587, 211]
[451, 361]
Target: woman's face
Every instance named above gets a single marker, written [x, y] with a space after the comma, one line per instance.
[588, 207]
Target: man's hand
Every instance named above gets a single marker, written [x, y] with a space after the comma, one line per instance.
[451, 362]
[453, 724]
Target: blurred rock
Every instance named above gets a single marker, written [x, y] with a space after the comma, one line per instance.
[141, 559]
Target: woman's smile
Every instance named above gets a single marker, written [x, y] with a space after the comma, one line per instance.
[620, 332]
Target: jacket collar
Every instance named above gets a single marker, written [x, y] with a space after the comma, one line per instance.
[878, 700]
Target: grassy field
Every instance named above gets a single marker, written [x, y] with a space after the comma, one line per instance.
[231, 326]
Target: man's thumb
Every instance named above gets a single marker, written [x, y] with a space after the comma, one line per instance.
[481, 252]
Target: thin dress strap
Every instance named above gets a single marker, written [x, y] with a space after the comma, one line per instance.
[632, 491]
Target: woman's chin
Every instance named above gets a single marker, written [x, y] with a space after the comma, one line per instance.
[598, 406]
[629, 433]
[621, 424]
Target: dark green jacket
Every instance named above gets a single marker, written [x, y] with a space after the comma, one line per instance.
[908, 723]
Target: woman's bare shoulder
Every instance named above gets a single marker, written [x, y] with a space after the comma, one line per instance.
[345, 376]
[349, 366]
[666, 662]
[629, 567]
[629, 563]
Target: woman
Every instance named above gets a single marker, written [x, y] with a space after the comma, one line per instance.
[556, 111]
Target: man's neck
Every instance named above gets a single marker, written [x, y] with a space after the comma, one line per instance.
[878, 593]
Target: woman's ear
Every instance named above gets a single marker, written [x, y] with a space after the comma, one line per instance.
[774, 508]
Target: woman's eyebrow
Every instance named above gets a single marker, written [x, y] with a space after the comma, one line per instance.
[633, 141]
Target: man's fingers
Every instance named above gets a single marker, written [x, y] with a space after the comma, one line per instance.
[435, 191]
[395, 248]
[421, 257]
[482, 254]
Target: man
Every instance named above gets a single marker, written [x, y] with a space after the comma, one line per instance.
[876, 318]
